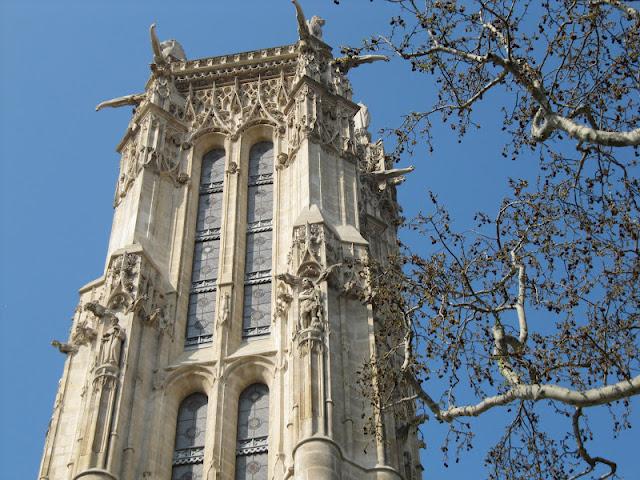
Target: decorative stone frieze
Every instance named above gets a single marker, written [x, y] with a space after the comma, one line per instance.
[232, 108]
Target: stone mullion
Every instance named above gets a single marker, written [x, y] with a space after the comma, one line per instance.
[279, 333]
[229, 246]
[215, 435]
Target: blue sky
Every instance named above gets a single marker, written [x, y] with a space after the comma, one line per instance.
[59, 167]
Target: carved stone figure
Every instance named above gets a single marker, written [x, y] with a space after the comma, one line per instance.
[346, 63]
[83, 333]
[65, 348]
[95, 308]
[309, 297]
[390, 176]
[308, 28]
[362, 119]
[134, 99]
[283, 300]
[167, 51]
[310, 305]
[112, 343]
[315, 26]
[225, 309]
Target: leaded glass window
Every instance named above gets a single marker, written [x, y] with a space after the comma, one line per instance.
[253, 433]
[202, 301]
[256, 318]
[190, 438]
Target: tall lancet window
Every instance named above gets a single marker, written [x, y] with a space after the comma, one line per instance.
[190, 438]
[253, 433]
[256, 318]
[202, 300]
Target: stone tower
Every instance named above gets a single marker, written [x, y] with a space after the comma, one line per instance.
[224, 338]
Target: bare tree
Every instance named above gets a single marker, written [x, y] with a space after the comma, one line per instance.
[535, 307]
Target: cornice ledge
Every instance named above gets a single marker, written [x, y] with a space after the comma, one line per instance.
[320, 87]
[252, 57]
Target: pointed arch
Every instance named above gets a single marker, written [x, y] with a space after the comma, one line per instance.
[188, 455]
[256, 318]
[252, 439]
[202, 299]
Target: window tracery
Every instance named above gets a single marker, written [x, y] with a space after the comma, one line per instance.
[256, 318]
[188, 453]
[202, 299]
[253, 433]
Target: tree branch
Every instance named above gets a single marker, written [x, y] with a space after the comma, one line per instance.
[623, 7]
[535, 392]
[592, 461]
[545, 123]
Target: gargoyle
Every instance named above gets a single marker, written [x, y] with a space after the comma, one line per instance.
[344, 64]
[392, 176]
[65, 348]
[99, 311]
[308, 28]
[135, 99]
[163, 54]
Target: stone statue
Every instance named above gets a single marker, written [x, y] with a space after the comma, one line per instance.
[167, 51]
[344, 64]
[309, 298]
[308, 28]
[362, 118]
[315, 26]
[310, 305]
[112, 343]
[225, 309]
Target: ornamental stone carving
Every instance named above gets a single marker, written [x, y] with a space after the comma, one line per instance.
[111, 344]
[324, 118]
[353, 278]
[310, 306]
[232, 108]
[283, 300]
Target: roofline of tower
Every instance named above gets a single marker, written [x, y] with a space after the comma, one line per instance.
[208, 64]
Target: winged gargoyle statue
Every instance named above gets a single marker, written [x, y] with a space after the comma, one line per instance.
[308, 28]
[346, 63]
[163, 54]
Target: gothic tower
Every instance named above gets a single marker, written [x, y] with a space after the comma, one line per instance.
[224, 338]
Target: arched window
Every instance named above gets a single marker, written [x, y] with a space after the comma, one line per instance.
[202, 300]
[190, 437]
[256, 318]
[253, 433]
